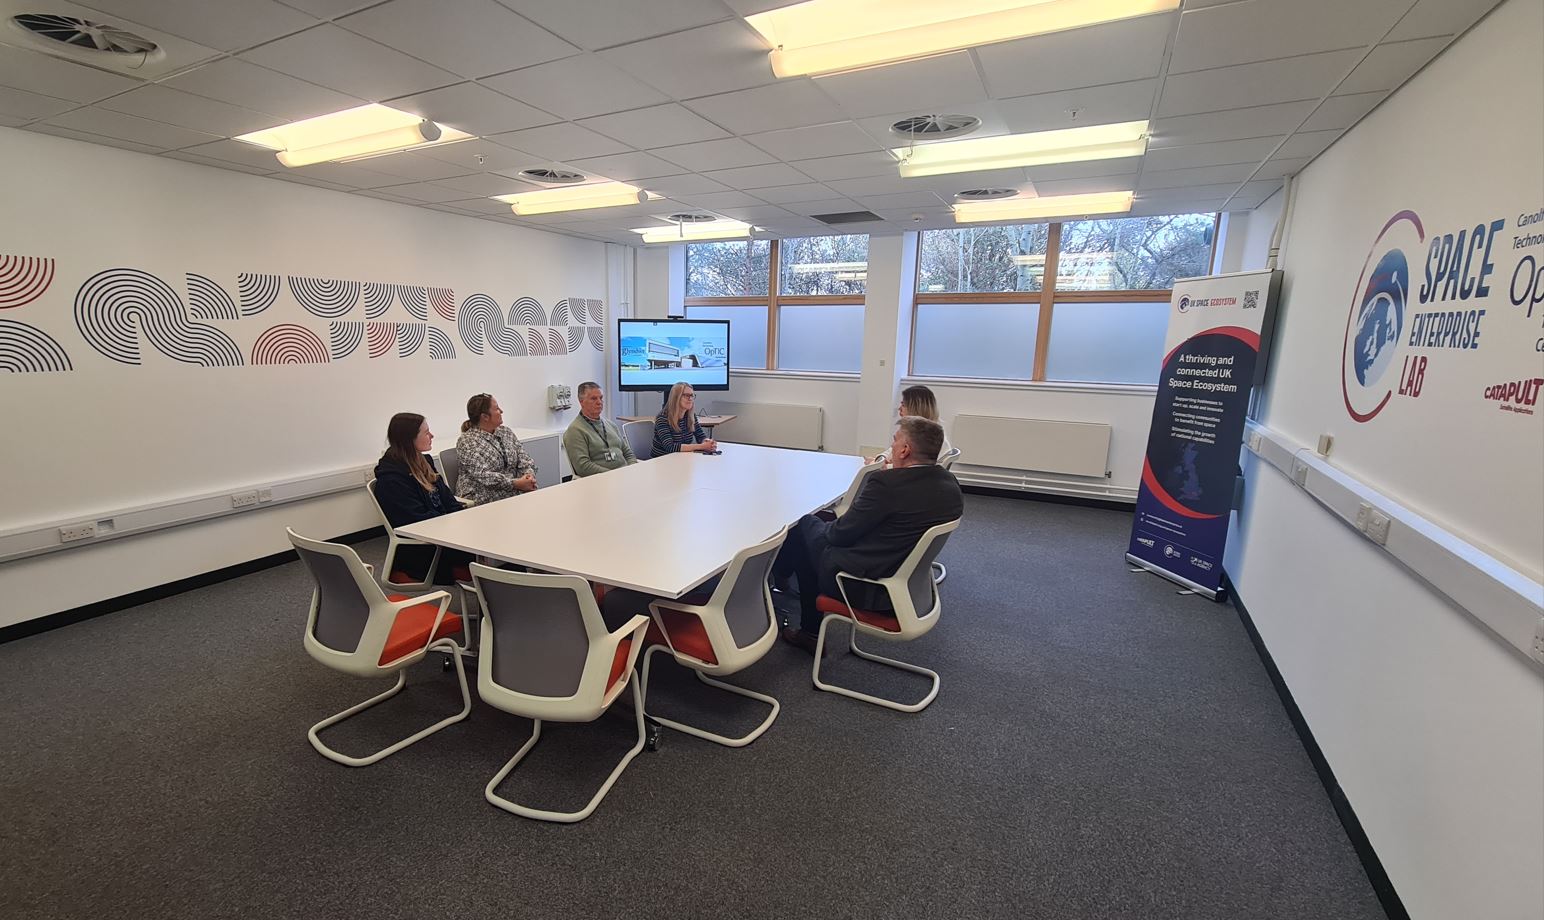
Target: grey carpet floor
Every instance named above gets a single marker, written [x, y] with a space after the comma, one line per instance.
[1101, 748]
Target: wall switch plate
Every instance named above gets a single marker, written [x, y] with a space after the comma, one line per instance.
[1326, 442]
[77, 532]
[1363, 511]
[244, 499]
[1378, 527]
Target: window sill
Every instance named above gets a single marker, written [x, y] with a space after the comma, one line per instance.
[794, 375]
[1053, 386]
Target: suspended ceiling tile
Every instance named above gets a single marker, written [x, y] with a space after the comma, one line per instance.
[836, 205]
[817, 141]
[49, 76]
[1261, 30]
[1084, 170]
[187, 157]
[245, 84]
[1094, 105]
[687, 184]
[329, 9]
[756, 177]
[626, 167]
[424, 191]
[225, 26]
[1390, 65]
[345, 174]
[850, 166]
[468, 37]
[406, 165]
[1115, 52]
[564, 141]
[728, 199]
[1176, 206]
[486, 185]
[314, 183]
[1233, 124]
[229, 151]
[478, 154]
[902, 200]
[371, 193]
[915, 87]
[350, 63]
[1341, 112]
[728, 153]
[785, 194]
[1276, 168]
[875, 185]
[1089, 186]
[1307, 144]
[576, 87]
[24, 106]
[130, 128]
[656, 126]
[1440, 17]
[474, 109]
[1220, 190]
[794, 103]
[1288, 80]
[88, 137]
[1204, 175]
[185, 110]
[595, 24]
[757, 214]
[720, 58]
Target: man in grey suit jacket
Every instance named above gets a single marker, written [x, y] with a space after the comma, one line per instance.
[891, 511]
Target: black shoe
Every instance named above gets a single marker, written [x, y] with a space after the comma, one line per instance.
[798, 637]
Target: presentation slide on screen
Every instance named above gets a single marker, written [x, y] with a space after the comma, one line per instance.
[659, 354]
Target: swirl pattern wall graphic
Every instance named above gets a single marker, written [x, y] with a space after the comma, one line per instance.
[537, 341]
[377, 298]
[381, 337]
[527, 312]
[207, 300]
[346, 336]
[578, 307]
[23, 279]
[560, 313]
[25, 350]
[288, 343]
[257, 292]
[114, 306]
[480, 320]
[597, 311]
[444, 301]
[557, 342]
[328, 298]
[410, 338]
[416, 299]
[597, 336]
[440, 347]
[575, 338]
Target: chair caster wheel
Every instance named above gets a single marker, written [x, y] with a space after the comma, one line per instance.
[651, 738]
[447, 663]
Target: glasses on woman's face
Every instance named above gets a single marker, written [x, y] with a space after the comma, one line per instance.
[688, 395]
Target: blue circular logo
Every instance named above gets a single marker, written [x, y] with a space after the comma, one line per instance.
[1184, 304]
[1381, 318]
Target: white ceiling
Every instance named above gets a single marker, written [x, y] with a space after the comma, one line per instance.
[678, 96]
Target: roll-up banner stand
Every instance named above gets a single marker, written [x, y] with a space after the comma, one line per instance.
[1219, 336]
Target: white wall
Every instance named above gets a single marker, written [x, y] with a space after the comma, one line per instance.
[109, 435]
[1434, 729]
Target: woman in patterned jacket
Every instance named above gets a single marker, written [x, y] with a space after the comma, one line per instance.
[494, 464]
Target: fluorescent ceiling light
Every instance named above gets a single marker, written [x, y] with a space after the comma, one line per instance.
[1042, 208]
[692, 233]
[822, 36]
[369, 130]
[1066, 145]
[575, 198]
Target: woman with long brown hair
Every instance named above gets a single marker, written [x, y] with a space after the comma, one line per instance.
[676, 428]
[409, 488]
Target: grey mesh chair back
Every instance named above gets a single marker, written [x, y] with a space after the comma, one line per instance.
[450, 466]
[747, 605]
[920, 584]
[540, 642]
[640, 437]
[342, 610]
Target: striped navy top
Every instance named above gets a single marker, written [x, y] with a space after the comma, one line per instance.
[668, 440]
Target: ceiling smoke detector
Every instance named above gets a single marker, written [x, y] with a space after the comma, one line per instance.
[690, 218]
[85, 36]
[547, 176]
[934, 127]
[985, 194]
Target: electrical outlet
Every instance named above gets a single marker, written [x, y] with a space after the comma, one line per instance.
[1254, 441]
[1362, 512]
[265, 495]
[1300, 471]
[1326, 444]
[1538, 642]
[106, 525]
[244, 499]
[1378, 527]
[77, 532]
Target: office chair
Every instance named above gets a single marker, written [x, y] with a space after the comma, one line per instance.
[947, 461]
[640, 437]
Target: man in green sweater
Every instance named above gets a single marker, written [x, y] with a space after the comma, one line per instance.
[594, 445]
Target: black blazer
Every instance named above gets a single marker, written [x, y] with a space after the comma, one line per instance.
[893, 509]
[403, 500]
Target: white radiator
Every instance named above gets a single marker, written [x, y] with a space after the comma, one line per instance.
[771, 425]
[1033, 444]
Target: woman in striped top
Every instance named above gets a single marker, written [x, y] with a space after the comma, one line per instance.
[676, 428]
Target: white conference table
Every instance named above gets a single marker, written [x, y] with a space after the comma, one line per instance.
[661, 526]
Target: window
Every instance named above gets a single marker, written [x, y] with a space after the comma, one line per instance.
[810, 320]
[1101, 316]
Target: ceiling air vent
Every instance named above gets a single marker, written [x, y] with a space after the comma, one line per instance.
[985, 194]
[690, 218]
[934, 127]
[548, 176]
[83, 35]
[847, 217]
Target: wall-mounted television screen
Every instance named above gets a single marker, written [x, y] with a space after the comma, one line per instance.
[653, 354]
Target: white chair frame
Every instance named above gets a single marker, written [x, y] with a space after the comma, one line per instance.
[364, 661]
[731, 658]
[913, 624]
[392, 543]
[947, 461]
[586, 703]
[845, 502]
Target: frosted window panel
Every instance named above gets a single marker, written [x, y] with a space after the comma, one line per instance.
[1107, 342]
[820, 338]
[747, 332]
[994, 340]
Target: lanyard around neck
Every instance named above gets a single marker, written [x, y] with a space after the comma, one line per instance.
[600, 429]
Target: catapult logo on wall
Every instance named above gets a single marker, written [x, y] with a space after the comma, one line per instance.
[1445, 309]
[118, 312]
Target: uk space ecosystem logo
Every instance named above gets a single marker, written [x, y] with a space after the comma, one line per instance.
[1377, 317]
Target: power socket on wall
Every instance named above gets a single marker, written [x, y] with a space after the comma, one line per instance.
[77, 532]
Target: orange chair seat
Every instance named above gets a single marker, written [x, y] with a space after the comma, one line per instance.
[459, 573]
[687, 635]
[878, 619]
[410, 630]
[619, 663]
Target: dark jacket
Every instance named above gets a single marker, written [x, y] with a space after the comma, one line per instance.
[403, 500]
[880, 529]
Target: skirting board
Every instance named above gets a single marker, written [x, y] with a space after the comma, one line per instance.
[36, 539]
[1504, 600]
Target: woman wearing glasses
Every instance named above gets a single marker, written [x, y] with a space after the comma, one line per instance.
[676, 428]
[494, 465]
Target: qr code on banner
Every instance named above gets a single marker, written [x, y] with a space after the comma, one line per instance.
[1251, 300]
